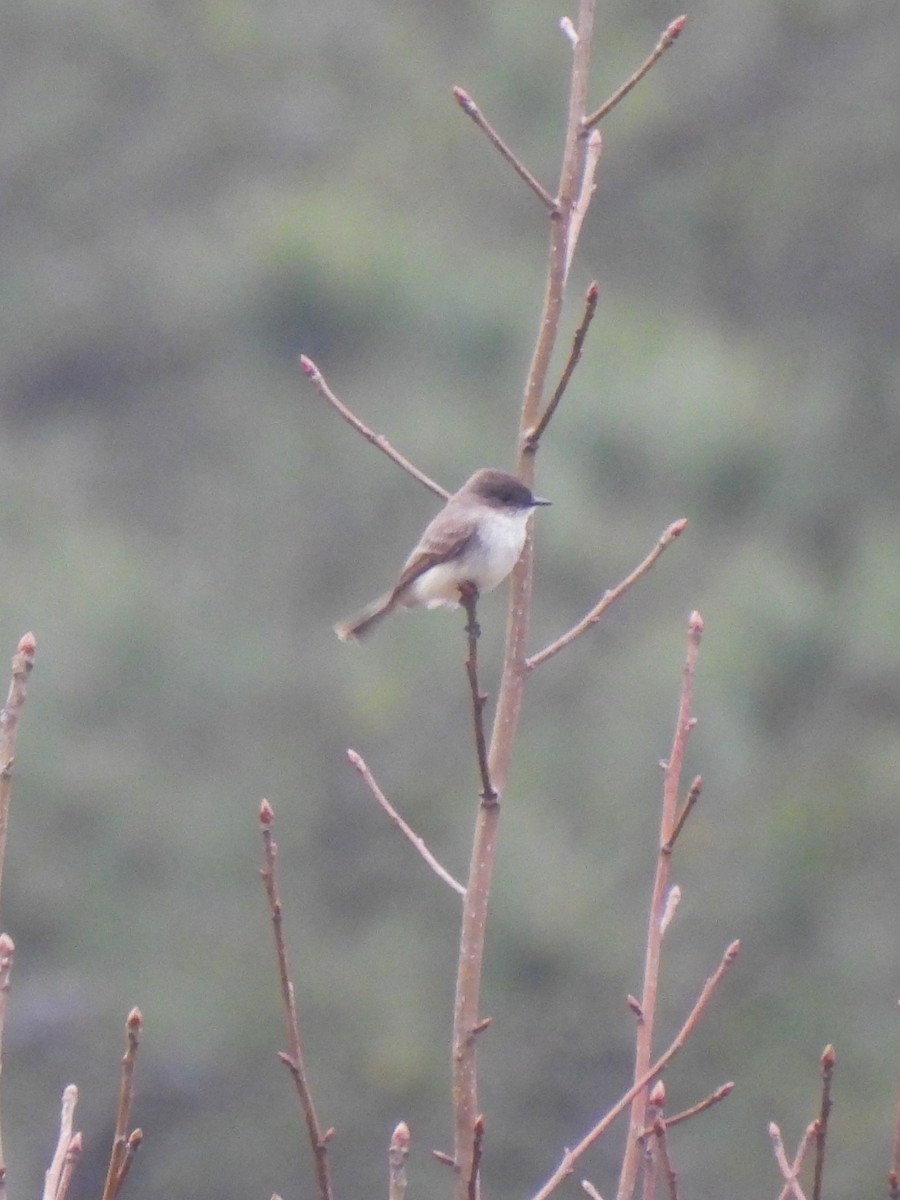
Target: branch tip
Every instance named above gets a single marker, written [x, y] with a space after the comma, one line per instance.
[134, 1020]
[266, 813]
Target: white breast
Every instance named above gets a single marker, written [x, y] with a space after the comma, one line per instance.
[485, 564]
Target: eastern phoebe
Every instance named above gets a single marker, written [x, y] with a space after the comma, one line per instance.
[475, 539]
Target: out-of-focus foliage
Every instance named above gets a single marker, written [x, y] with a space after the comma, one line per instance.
[193, 193]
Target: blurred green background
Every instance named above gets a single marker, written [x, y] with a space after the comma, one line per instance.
[191, 195]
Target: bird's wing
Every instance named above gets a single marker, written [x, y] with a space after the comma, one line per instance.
[442, 545]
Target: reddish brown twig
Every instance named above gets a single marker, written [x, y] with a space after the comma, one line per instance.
[827, 1063]
[608, 599]
[667, 40]
[533, 437]
[471, 109]
[701, 1106]
[690, 800]
[477, 1148]
[469, 600]
[571, 1157]
[317, 379]
[398, 1153]
[684, 723]
[358, 762]
[119, 1151]
[665, 1158]
[293, 1058]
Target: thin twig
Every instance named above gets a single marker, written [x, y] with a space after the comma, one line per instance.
[585, 192]
[357, 761]
[22, 664]
[667, 39]
[398, 1153]
[7, 956]
[469, 600]
[827, 1062]
[477, 1148]
[54, 1174]
[805, 1142]
[70, 1163]
[293, 1059]
[690, 800]
[119, 1149]
[788, 1170]
[701, 1106]
[588, 1187]
[571, 1157]
[317, 379]
[471, 109]
[684, 723]
[894, 1171]
[665, 1159]
[135, 1140]
[533, 437]
[608, 599]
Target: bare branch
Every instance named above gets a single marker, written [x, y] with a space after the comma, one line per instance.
[471, 109]
[56, 1172]
[477, 1147]
[571, 1157]
[655, 926]
[533, 437]
[665, 1159]
[357, 761]
[690, 800]
[22, 665]
[317, 379]
[609, 598]
[667, 40]
[119, 1149]
[585, 193]
[701, 1106]
[588, 1187]
[293, 1059]
[827, 1062]
[469, 600]
[894, 1171]
[788, 1170]
[398, 1152]
[805, 1142]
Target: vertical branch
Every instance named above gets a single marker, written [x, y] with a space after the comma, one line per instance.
[668, 825]
[509, 700]
[118, 1155]
[293, 1059]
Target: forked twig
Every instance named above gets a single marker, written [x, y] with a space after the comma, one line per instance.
[684, 723]
[293, 1059]
[609, 598]
[571, 1157]
[701, 1106]
[317, 379]
[471, 109]
[789, 1171]
[533, 437]
[668, 39]
[358, 762]
[119, 1151]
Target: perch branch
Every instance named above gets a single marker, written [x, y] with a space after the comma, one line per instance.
[471, 109]
[118, 1153]
[293, 1059]
[684, 723]
[317, 379]
[469, 600]
[533, 437]
[668, 39]
[571, 1157]
[608, 599]
[359, 764]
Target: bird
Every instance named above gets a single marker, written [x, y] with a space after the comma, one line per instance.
[472, 544]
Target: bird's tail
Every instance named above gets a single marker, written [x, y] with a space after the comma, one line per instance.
[364, 622]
